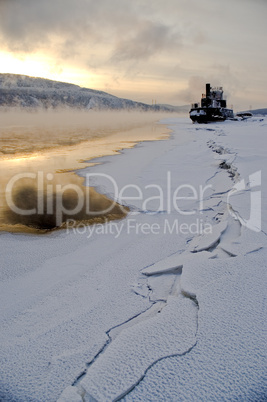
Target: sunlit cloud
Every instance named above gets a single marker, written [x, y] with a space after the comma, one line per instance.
[121, 44]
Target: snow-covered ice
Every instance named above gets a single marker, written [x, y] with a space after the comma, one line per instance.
[166, 304]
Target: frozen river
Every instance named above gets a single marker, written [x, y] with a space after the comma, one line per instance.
[166, 304]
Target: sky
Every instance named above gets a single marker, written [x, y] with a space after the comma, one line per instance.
[161, 51]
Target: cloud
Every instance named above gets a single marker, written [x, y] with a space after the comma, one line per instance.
[196, 86]
[30, 24]
[147, 39]
[219, 75]
[112, 31]
[142, 41]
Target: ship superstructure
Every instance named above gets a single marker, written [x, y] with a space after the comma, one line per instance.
[211, 108]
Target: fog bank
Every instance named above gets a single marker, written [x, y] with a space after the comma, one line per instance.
[27, 132]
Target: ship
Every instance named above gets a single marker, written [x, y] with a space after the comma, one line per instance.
[211, 108]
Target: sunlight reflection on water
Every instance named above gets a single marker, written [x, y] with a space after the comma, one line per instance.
[61, 149]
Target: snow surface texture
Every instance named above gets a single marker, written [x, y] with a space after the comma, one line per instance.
[148, 316]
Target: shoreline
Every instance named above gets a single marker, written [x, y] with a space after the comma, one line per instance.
[62, 163]
[115, 301]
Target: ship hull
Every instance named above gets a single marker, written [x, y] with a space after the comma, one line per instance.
[209, 115]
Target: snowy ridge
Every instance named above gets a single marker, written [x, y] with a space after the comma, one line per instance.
[29, 92]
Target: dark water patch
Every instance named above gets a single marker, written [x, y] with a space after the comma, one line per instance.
[29, 208]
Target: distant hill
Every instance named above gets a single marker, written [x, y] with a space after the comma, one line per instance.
[177, 109]
[262, 112]
[28, 92]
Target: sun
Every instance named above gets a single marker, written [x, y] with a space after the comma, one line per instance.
[26, 65]
[41, 66]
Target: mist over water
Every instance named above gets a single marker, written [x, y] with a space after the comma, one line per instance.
[53, 144]
[27, 132]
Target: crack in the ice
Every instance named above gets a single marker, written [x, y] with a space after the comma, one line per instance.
[218, 148]
[209, 248]
[220, 193]
[234, 175]
[228, 252]
[81, 375]
[123, 395]
[109, 340]
[212, 177]
[139, 294]
[149, 211]
[233, 172]
[120, 397]
[212, 207]
[177, 272]
[254, 251]
[130, 319]
[238, 217]
[231, 169]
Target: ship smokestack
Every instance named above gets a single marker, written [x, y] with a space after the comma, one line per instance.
[207, 90]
